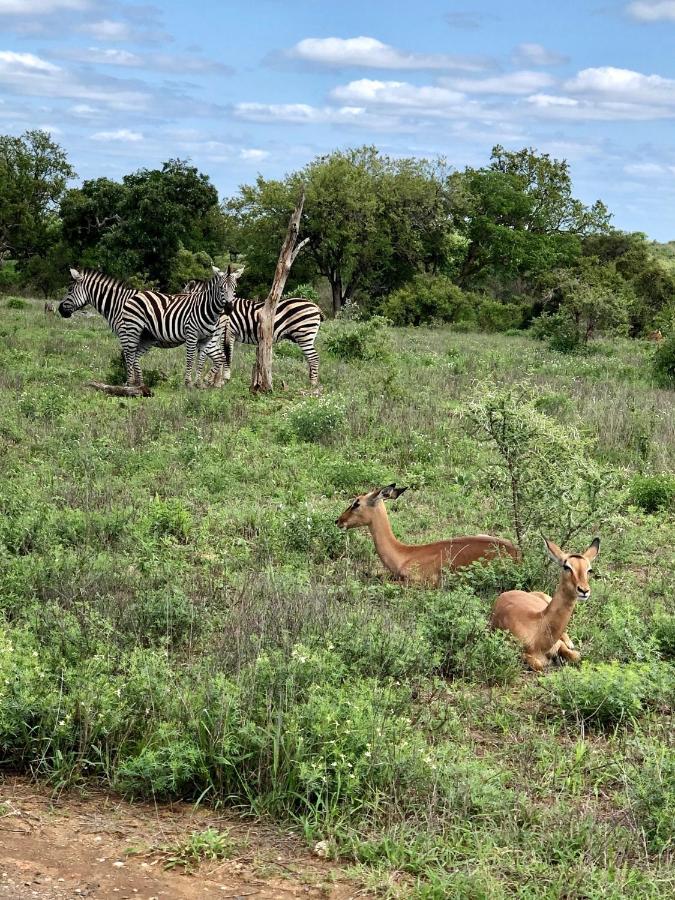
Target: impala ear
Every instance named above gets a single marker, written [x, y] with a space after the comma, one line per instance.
[75, 275]
[593, 550]
[391, 492]
[554, 552]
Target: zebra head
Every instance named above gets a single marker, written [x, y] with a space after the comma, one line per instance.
[228, 284]
[77, 295]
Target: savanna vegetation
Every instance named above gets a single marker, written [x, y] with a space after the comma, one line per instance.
[180, 617]
[504, 246]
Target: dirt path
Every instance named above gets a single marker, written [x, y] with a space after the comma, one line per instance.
[74, 846]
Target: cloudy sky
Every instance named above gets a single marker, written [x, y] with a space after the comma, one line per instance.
[265, 85]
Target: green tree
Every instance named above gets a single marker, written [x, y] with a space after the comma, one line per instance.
[372, 222]
[137, 228]
[34, 172]
[520, 218]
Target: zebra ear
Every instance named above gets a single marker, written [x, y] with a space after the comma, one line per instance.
[75, 275]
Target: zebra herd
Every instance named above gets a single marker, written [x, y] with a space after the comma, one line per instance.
[206, 316]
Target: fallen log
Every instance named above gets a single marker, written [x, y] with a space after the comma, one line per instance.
[121, 390]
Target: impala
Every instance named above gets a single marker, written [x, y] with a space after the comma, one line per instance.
[539, 621]
[422, 562]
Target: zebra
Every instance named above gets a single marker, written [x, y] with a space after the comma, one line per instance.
[145, 319]
[295, 319]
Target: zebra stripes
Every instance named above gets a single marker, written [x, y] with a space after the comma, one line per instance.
[145, 319]
[296, 319]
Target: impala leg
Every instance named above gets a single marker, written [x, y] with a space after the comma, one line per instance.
[536, 661]
[568, 652]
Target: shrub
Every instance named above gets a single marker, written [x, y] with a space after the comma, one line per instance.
[307, 291]
[540, 472]
[312, 532]
[456, 625]
[664, 635]
[560, 331]
[652, 492]
[663, 363]
[16, 303]
[427, 299]
[169, 765]
[652, 792]
[316, 420]
[359, 340]
[169, 518]
[607, 694]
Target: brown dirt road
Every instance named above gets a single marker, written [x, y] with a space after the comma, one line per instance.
[72, 846]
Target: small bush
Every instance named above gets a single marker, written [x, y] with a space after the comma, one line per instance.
[427, 299]
[652, 792]
[312, 532]
[169, 518]
[663, 363]
[560, 331]
[359, 340]
[16, 303]
[652, 492]
[316, 420]
[306, 291]
[606, 694]
[664, 635]
[169, 765]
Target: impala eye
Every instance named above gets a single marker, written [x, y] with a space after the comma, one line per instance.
[567, 568]
[355, 504]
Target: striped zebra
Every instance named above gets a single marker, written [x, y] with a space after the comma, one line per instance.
[146, 319]
[296, 319]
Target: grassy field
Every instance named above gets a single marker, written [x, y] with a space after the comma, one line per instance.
[179, 615]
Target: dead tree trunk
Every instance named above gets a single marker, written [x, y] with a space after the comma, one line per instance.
[262, 370]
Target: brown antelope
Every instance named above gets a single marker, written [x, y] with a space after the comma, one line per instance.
[539, 621]
[422, 563]
[49, 307]
[655, 336]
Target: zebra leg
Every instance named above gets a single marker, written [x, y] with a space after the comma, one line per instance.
[190, 350]
[201, 348]
[228, 347]
[312, 357]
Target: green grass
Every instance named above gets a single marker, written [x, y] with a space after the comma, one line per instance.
[179, 617]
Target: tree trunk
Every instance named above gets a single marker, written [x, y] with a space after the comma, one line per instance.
[261, 380]
[336, 289]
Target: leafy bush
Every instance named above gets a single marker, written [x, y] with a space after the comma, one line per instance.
[560, 331]
[663, 363]
[427, 299]
[651, 790]
[169, 518]
[307, 291]
[169, 765]
[317, 420]
[541, 472]
[359, 340]
[607, 694]
[16, 303]
[664, 635]
[312, 532]
[652, 492]
[456, 625]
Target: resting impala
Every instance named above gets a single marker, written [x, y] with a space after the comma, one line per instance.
[539, 621]
[421, 563]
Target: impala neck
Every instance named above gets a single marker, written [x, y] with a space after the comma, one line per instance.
[388, 548]
[557, 614]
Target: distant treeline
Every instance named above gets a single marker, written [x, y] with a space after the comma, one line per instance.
[494, 247]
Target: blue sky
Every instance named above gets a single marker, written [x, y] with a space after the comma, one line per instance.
[265, 85]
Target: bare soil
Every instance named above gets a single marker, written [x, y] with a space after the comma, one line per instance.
[95, 845]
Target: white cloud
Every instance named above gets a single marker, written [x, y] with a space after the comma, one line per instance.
[511, 83]
[252, 154]
[108, 30]
[39, 7]
[25, 62]
[537, 55]
[169, 62]
[649, 170]
[370, 53]
[652, 10]
[123, 135]
[610, 94]
[297, 113]
[399, 94]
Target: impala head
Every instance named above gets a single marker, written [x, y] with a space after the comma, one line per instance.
[76, 296]
[575, 566]
[359, 514]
